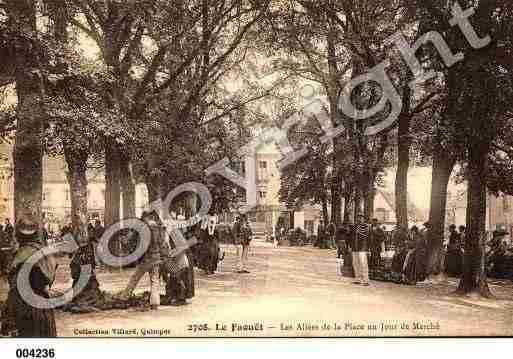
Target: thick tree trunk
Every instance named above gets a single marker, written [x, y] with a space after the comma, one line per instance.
[368, 200]
[112, 182]
[336, 192]
[401, 178]
[473, 279]
[358, 199]
[443, 164]
[403, 158]
[77, 179]
[127, 186]
[332, 90]
[325, 215]
[336, 205]
[153, 180]
[154, 190]
[368, 208]
[348, 208]
[28, 149]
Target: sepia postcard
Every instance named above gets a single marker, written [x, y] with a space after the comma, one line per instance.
[255, 169]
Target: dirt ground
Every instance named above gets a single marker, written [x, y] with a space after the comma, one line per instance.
[295, 292]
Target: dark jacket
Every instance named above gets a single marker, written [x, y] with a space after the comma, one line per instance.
[377, 237]
[158, 249]
[359, 238]
[342, 234]
[242, 233]
[321, 231]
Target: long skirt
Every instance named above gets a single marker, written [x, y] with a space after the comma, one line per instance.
[347, 269]
[398, 260]
[189, 277]
[454, 262]
[416, 265]
[30, 322]
[421, 263]
[375, 257]
[180, 285]
[207, 256]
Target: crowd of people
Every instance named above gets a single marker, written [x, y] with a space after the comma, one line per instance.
[163, 261]
[362, 246]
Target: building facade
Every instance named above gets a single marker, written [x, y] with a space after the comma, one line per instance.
[263, 206]
[56, 192]
[499, 213]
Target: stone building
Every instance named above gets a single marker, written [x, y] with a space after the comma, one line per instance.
[56, 192]
[262, 200]
[499, 212]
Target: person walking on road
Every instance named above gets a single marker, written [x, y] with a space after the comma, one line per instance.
[243, 236]
[331, 230]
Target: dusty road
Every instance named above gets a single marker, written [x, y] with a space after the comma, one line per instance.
[296, 292]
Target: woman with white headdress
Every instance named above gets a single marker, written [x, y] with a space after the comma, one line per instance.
[208, 253]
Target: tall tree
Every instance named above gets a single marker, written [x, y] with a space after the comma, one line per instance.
[28, 148]
[307, 180]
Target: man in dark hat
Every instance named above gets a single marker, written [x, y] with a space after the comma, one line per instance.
[331, 230]
[243, 235]
[377, 239]
[29, 321]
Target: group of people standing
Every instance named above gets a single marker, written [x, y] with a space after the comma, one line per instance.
[355, 241]
[410, 260]
[163, 260]
[361, 245]
[326, 236]
[454, 254]
[7, 245]
[207, 252]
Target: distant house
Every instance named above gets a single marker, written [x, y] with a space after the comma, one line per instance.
[499, 212]
[264, 208]
[384, 210]
[56, 193]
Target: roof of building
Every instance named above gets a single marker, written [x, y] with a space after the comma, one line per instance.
[413, 211]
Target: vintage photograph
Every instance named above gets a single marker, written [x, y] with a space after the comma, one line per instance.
[255, 168]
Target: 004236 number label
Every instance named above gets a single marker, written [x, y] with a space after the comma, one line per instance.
[35, 353]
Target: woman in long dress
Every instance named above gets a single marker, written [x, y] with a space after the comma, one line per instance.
[454, 256]
[178, 273]
[207, 251]
[415, 264]
[31, 322]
